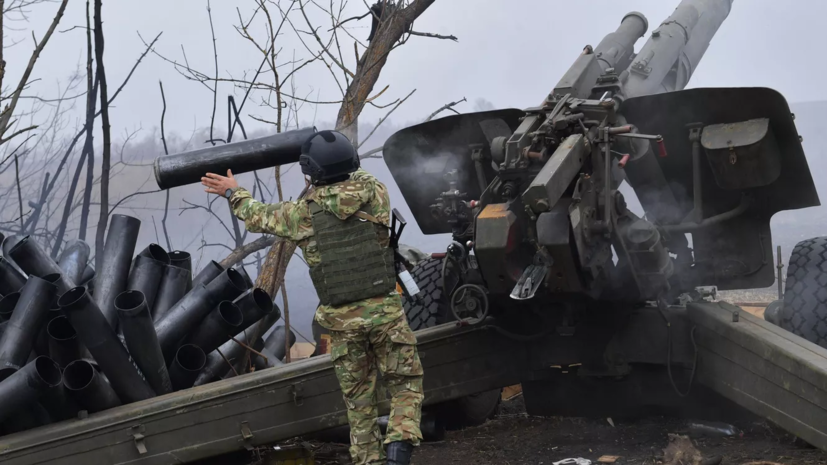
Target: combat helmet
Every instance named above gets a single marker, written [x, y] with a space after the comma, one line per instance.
[328, 157]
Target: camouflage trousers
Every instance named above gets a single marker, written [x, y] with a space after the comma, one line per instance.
[357, 355]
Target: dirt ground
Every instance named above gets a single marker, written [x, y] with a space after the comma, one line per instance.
[514, 438]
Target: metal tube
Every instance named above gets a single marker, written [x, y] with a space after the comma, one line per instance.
[73, 260]
[10, 242]
[145, 276]
[270, 362]
[89, 387]
[193, 307]
[7, 304]
[155, 252]
[780, 278]
[208, 273]
[241, 157]
[711, 221]
[100, 339]
[240, 362]
[34, 261]
[679, 43]
[216, 366]
[59, 403]
[24, 326]
[188, 363]
[112, 278]
[275, 342]
[88, 275]
[11, 280]
[64, 345]
[27, 384]
[246, 276]
[174, 286]
[41, 345]
[217, 327]
[254, 305]
[141, 340]
[181, 259]
[617, 48]
[25, 418]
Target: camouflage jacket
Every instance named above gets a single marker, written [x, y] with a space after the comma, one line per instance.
[292, 221]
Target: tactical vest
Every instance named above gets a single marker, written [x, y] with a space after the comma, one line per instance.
[353, 266]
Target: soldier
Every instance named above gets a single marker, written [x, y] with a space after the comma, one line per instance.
[342, 226]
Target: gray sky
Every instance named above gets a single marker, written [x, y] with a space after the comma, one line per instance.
[509, 52]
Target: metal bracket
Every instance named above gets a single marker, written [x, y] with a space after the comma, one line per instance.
[246, 435]
[531, 280]
[297, 391]
[137, 433]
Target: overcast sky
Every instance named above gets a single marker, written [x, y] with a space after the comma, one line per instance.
[510, 52]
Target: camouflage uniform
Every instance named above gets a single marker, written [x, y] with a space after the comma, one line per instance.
[365, 335]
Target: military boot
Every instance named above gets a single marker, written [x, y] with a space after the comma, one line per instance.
[399, 453]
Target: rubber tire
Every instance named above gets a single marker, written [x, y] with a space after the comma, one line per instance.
[433, 310]
[805, 294]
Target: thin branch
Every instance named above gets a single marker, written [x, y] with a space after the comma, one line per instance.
[134, 194]
[166, 152]
[215, 86]
[6, 115]
[449, 106]
[384, 118]
[19, 193]
[433, 36]
[107, 144]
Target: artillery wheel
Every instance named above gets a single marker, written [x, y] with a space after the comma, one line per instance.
[433, 309]
[805, 294]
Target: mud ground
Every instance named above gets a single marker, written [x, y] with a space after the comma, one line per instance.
[514, 438]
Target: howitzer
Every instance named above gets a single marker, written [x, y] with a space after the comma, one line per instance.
[533, 196]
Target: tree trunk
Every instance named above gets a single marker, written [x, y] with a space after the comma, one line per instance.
[105, 161]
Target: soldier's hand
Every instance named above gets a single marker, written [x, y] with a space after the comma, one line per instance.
[217, 184]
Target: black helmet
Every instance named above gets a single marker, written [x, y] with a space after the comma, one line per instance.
[328, 156]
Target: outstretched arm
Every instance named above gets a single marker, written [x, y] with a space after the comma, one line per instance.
[290, 220]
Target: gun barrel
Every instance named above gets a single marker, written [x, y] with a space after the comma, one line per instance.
[240, 157]
[670, 56]
[617, 48]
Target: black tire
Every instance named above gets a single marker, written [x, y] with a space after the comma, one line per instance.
[431, 310]
[805, 294]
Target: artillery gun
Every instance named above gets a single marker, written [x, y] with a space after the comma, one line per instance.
[543, 238]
